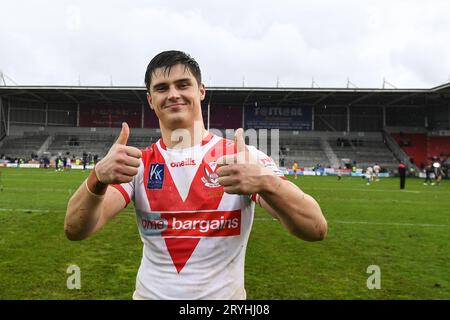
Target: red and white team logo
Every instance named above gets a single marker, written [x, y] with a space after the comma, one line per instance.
[210, 178]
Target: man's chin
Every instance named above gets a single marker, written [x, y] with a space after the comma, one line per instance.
[176, 121]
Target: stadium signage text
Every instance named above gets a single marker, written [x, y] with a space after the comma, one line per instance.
[289, 118]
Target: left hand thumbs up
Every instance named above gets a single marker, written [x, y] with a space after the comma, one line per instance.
[242, 156]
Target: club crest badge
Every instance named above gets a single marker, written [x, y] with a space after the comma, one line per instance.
[210, 177]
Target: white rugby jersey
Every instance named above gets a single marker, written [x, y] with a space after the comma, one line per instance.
[194, 234]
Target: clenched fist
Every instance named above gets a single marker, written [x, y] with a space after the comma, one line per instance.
[121, 163]
[241, 173]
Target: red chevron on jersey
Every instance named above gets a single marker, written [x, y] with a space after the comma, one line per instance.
[180, 250]
[204, 194]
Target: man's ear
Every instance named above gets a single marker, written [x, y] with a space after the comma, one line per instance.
[149, 100]
[202, 92]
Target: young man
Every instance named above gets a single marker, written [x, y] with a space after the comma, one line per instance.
[193, 193]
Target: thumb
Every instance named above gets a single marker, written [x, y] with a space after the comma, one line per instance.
[124, 134]
[239, 140]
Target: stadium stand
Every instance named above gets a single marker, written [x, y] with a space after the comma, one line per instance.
[365, 152]
[77, 144]
[422, 147]
[22, 147]
[414, 144]
[306, 151]
[438, 147]
[331, 127]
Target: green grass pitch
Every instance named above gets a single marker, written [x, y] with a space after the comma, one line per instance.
[406, 233]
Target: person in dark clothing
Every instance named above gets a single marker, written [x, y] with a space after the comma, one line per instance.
[85, 160]
[402, 174]
[428, 171]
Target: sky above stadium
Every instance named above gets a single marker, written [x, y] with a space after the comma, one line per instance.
[261, 43]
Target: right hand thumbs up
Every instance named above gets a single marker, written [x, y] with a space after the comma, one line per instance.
[121, 163]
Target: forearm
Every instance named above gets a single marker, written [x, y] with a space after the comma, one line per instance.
[296, 210]
[84, 210]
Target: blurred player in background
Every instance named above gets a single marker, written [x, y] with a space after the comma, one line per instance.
[339, 173]
[402, 174]
[428, 172]
[438, 173]
[376, 171]
[369, 175]
[294, 169]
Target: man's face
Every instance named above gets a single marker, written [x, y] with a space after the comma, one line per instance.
[176, 97]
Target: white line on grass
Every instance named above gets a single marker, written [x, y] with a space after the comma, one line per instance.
[366, 189]
[393, 224]
[40, 190]
[272, 219]
[24, 210]
[375, 223]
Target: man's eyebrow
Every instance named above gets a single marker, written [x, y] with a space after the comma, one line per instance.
[163, 83]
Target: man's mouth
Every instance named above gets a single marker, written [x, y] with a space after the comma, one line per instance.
[174, 105]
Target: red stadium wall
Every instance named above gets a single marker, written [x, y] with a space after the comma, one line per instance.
[414, 144]
[421, 147]
[438, 146]
[150, 118]
[110, 116]
[223, 117]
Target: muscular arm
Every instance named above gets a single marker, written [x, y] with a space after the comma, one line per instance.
[299, 213]
[87, 212]
[95, 203]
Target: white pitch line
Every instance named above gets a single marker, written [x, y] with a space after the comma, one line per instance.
[272, 219]
[393, 224]
[24, 210]
[375, 223]
[363, 188]
[40, 190]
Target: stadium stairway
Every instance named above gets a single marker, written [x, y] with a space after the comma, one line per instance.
[45, 145]
[334, 161]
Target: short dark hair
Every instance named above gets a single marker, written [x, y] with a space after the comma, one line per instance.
[167, 59]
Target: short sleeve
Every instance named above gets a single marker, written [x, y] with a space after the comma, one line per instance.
[127, 189]
[267, 162]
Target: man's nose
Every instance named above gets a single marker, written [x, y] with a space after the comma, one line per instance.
[173, 93]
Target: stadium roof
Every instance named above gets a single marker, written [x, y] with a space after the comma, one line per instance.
[235, 95]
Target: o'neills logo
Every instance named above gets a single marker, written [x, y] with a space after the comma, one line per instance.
[185, 162]
[192, 224]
